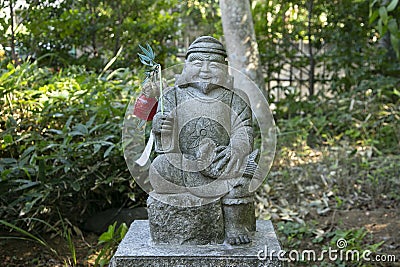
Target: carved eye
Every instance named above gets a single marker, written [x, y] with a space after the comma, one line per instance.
[197, 63]
[214, 65]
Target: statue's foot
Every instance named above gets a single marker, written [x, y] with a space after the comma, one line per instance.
[238, 239]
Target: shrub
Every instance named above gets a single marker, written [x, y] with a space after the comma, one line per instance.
[365, 117]
[60, 141]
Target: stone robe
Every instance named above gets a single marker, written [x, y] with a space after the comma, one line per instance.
[202, 122]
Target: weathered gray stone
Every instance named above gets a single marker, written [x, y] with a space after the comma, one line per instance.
[204, 142]
[138, 250]
[178, 225]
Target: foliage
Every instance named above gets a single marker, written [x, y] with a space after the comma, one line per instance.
[293, 234]
[355, 240]
[110, 240]
[329, 47]
[386, 13]
[201, 18]
[60, 142]
[148, 59]
[27, 235]
[366, 117]
[89, 32]
[65, 233]
[354, 94]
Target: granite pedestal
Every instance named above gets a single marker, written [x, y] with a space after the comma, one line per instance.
[137, 250]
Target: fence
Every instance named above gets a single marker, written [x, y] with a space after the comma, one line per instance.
[302, 74]
[289, 75]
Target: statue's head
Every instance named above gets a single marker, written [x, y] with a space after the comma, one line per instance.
[206, 65]
[206, 48]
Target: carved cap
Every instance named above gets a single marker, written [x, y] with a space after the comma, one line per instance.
[207, 44]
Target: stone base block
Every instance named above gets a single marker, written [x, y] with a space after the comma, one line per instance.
[137, 250]
[185, 226]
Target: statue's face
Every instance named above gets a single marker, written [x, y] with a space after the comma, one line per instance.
[206, 68]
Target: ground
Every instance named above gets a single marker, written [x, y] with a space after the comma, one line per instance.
[382, 224]
[14, 252]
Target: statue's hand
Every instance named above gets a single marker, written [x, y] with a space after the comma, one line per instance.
[162, 124]
[152, 89]
[205, 154]
[226, 157]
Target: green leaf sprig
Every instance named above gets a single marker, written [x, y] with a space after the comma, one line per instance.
[152, 69]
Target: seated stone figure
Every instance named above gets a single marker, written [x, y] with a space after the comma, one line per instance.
[204, 146]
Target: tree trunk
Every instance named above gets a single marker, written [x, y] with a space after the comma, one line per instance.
[240, 40]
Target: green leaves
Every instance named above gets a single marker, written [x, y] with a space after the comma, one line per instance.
[61, 150]
[8, 139]
[28, 235]
[387, 20]
[383, 14]
[392, 5]
[86, 32]
[113, 233]
[152, 68]
[110, 240]
[392, 26]
[396, 44]
[148, 57]
[79, 129]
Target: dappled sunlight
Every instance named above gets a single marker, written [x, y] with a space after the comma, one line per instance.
[376, 227]
[307, 180]
[293, 157]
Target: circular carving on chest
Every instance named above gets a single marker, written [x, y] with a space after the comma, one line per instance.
[196, 130]
[203, 132]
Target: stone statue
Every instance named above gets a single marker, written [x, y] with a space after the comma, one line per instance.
[205, 158]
